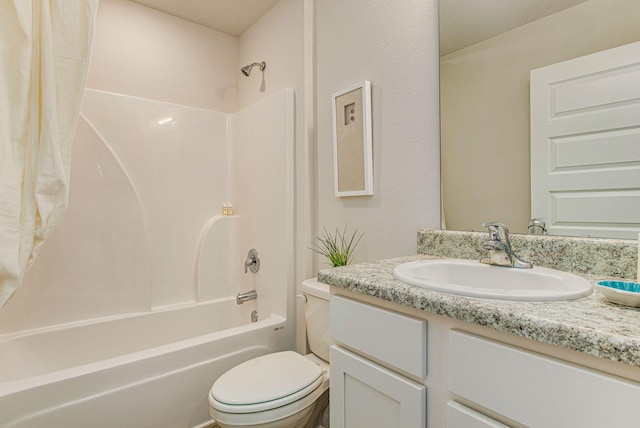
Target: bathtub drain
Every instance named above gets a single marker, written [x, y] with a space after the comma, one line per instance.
[254, 316]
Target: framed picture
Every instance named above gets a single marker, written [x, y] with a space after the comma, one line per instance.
[352, 142]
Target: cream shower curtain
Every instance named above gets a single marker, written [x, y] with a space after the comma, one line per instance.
[44, 57]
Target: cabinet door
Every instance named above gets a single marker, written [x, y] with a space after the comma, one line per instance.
[364, 394]
[538, 391]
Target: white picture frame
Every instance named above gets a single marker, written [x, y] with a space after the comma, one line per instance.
[352, 141]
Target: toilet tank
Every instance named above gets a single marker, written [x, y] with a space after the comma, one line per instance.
[316, 312]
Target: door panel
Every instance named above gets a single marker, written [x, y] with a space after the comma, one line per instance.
[585, 144]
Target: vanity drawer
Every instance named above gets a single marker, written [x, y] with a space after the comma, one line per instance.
[392, 338]
[535, 390]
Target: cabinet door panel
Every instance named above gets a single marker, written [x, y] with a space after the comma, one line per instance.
[538, 391]
[364, 394]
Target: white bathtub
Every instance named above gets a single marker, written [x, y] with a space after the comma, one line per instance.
[145, 370]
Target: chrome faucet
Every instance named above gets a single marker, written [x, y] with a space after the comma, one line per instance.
[499, 246]
[245, 297]
[252, 261]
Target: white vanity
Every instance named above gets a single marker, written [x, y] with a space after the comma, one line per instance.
[409, 357]
[395, 367]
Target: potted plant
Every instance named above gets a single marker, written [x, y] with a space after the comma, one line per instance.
[338, 248]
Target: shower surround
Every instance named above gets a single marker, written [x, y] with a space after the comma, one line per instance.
[143, 237]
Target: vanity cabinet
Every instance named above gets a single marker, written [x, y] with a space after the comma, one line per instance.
[477, 377]
[375, 353]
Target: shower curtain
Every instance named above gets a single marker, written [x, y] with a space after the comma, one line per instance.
[44, 57]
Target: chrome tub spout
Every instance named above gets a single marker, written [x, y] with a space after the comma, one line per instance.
[245, 297]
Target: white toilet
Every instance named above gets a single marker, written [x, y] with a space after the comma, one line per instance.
[283, 389]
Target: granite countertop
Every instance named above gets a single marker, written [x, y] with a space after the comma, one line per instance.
[590, 325]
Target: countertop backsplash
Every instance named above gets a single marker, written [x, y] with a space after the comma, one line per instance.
[591, 256]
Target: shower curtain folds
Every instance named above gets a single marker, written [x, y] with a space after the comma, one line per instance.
[44, 57]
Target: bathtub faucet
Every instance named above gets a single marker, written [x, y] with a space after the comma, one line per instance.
[245, 297]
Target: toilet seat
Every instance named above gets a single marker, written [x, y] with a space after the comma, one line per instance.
[264, 383]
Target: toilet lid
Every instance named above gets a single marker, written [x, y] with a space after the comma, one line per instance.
[266, 378]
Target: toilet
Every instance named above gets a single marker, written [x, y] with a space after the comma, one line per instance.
[283, 389]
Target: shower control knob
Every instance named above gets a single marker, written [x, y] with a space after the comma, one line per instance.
[252, 262]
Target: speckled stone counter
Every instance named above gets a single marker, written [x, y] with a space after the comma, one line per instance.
[590, 325]
[602, 257]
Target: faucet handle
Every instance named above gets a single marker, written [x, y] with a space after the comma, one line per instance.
[537, 226]
[252, 262]
[497, 231]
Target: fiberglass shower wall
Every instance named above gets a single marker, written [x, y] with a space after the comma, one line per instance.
[149, 175]
[143, 228]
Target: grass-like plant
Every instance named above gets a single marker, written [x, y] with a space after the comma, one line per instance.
[337, 247]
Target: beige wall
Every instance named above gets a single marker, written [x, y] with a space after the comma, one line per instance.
[485, 108]
[394, 45]
[278, 39]
[142, 52]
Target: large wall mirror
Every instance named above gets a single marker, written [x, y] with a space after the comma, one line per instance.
[488, 48]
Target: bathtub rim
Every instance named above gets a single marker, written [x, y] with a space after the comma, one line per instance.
[5, 337]
[273, 321]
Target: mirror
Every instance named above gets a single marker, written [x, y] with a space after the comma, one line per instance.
[488, 48]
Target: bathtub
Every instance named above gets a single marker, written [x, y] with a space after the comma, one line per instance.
[144, 370]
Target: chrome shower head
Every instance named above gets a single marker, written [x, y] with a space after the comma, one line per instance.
[246, 70]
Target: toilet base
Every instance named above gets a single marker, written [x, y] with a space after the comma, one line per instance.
[320, 415]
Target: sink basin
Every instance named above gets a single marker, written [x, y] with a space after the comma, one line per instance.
[474, 279]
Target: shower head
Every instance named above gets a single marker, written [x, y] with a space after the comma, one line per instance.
[246, 70]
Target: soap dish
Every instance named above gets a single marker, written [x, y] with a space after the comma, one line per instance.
[621, 292]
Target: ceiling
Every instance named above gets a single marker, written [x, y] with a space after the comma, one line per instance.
[466, 22]
[462, 22]
[228, 16]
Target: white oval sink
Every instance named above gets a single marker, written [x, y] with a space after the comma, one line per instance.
[474, 279]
